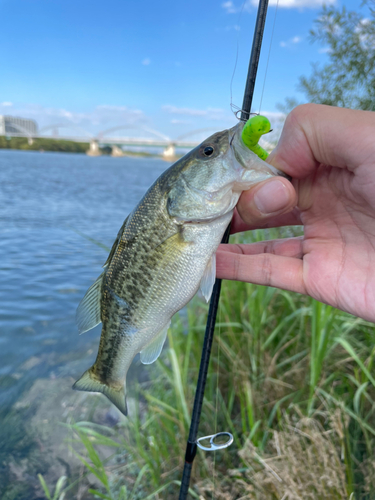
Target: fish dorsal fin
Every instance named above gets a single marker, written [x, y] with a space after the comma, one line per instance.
[208, 278]
[88, 310]
[152, 351]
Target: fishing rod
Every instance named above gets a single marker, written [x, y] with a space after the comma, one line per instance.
[193, 442]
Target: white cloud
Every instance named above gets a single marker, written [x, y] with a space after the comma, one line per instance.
[6, 104]
[234, 27]
[325, 50]
[365, 21]
[292, 41]
[180, 122]
[209, 113]
[273, 116]
[277, 120]
[101, 117]
[250, 5]
[229, 7]
[146, 62]
[298, 4]
[366, 36]
[184, 111]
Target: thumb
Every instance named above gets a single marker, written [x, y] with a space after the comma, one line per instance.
[273, 197]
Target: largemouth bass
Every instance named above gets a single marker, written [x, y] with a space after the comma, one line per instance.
[164, 251]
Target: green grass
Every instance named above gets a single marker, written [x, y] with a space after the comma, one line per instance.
[290, 378]
[43, 143]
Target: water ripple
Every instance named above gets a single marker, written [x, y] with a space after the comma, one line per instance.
[45, 266]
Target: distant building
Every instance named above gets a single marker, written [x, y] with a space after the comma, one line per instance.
[17, 126]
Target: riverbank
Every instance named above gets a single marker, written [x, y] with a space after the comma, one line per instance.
[60, 145]
[36, 435]
[43, 144]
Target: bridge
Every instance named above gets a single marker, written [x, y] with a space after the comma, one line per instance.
[103, 138]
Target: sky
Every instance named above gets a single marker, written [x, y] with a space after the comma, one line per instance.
[154, 68]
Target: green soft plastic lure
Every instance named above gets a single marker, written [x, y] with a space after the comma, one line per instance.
[254, 128]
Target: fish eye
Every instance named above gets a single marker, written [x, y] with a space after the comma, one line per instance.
[208, 150]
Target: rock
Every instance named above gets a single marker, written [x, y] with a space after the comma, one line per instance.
[30, 363]
[41, 442]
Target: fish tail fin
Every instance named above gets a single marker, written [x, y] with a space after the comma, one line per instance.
[90, 383]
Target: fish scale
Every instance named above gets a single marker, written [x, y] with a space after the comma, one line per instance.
[163, 253]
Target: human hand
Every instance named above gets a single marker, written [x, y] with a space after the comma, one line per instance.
[330, 155]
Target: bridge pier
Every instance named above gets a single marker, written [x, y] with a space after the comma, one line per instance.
[117, 152]
[169, 152]
[94, 148]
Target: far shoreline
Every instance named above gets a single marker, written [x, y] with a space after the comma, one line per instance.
[54, 145]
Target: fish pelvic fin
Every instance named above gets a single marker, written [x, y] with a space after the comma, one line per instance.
[208, 278]
[151, 352]
[88, 382]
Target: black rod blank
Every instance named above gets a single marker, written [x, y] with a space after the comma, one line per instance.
[254, 60]
[191, 448]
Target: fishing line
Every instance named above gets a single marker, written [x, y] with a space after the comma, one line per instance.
[235, 63]
[217, 395]
[268, 58]
[231, 83]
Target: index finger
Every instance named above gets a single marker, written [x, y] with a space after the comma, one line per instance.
[315, 134]
[289, 219]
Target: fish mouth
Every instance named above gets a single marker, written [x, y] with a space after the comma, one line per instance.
[236, 127]
[204, 221]
[232, 135]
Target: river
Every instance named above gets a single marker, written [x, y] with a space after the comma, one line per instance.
[50, 205]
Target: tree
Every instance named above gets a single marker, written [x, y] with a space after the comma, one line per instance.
[348, 80]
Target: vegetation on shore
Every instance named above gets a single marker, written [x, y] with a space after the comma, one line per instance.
[44, 144]
[289, 377]
[57, 145]
[347, 79]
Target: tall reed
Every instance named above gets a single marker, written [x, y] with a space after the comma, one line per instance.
[279, 359]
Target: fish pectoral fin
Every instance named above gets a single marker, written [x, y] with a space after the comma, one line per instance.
[90, 384]
[208, 278]
[152, 351]
[88, 310]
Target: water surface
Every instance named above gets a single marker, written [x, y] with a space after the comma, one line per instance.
[46, 265]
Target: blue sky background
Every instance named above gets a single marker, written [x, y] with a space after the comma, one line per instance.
[163, 65]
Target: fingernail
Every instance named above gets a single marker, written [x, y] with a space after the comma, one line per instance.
[271, 197]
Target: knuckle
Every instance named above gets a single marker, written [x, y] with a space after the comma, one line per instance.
[266, 270]
[240, 248]
[236, 268]
[269, 247]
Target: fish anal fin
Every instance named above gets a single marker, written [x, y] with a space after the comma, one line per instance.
[152, 351]
[208, 278]
[116, 395]
[88, 310]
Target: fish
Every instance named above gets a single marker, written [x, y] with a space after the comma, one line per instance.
[163, 254]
